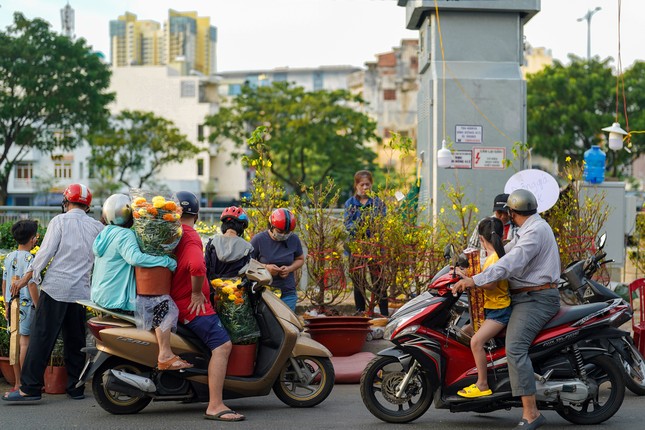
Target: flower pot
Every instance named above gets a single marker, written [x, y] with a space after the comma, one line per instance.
[241, 362]
[337, 319]
[342, 342]
[7, 371]
[55, 379]
[152, 281]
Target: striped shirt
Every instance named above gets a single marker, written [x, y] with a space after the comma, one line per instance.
[532, 258]
[68, 244]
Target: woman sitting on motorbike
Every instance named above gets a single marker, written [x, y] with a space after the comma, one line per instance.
[497, 309]
[116, 252]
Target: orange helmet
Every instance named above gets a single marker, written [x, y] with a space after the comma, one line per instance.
[78, 193]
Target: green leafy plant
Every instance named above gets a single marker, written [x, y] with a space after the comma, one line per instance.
[235, 311]
[4, 333]
[323, 234]
[577, 217]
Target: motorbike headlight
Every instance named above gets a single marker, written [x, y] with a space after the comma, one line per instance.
[394, 325]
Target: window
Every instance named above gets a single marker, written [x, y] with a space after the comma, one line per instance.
[279, 77]
[200, 132]
[389, 94]
[234, 89]
[188, 89]
[63, 169]
[24, 171]
[318, 81]
[200, 167]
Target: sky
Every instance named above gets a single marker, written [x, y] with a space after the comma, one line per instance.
[265, 34]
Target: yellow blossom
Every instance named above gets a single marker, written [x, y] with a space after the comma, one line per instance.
[442, 210]
[232, 297]
[476, 210]
[269, 164]
[567, 159]
[454, 207]
[570, 177]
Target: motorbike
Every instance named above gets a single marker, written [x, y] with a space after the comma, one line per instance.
[122, 365]
[431, 361]
[577, 286]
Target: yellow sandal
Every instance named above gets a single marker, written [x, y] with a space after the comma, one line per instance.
[472, 392]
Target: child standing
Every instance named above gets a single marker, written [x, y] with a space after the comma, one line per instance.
[497, 309]
[25, 232]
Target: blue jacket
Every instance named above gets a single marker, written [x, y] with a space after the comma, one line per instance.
[354, 212]
[116, 253]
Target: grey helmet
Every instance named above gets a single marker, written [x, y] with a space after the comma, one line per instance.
[522, 201]
[117, 210]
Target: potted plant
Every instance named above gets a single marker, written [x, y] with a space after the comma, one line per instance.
[56, 372]
[5, 367]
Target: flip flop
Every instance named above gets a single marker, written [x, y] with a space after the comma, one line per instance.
[219, 416]
[175, 363]
[15, 396]
[472, 391]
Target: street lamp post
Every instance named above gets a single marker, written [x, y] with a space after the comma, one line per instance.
[587, 17]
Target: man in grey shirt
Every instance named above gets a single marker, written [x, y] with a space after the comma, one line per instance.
[532, 267]
[67, 254]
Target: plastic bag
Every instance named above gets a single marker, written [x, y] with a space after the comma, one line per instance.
[234, 310]
[156, 221]
[164, 316]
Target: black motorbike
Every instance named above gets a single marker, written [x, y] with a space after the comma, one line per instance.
[577, 287]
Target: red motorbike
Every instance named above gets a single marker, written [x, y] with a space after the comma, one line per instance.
[431, 360]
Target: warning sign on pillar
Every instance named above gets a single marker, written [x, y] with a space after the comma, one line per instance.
[489, 158]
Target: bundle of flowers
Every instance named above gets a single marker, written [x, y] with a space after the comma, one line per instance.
[235, 311]
[156, 222]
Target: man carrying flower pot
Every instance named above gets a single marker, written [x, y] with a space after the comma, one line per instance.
[67, 249]
[190, 291]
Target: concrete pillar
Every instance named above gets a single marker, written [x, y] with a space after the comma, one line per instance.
[476, 99]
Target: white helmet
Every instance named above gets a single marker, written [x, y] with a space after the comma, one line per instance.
[117, 210]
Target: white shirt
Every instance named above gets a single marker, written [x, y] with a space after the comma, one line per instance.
[68, 244]
[532, 258]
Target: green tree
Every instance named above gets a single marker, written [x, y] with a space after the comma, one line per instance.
[567, 106]
[312, 135]
[52, 91]
[138, 144]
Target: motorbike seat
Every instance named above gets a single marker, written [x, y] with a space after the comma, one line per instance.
[568, 314]
[190, 336]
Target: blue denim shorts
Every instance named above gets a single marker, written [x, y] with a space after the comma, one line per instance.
[498, 315]
[210, 330]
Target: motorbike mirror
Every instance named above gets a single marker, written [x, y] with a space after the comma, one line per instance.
[448, 252]
[600, 243]
[462, 261]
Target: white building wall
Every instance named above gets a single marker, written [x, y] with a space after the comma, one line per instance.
[151, 89]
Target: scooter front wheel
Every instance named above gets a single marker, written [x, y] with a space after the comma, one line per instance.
[380, 382]
[115, 402]
[634, 372]
[306, 386]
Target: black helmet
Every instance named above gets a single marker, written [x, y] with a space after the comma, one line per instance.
[188, 202]
[522, 201]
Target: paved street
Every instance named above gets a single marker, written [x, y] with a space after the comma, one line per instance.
[343, 409]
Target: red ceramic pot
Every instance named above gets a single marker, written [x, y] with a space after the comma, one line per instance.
[338, 319]
[342, 342]
[241, 362]
[55, 379]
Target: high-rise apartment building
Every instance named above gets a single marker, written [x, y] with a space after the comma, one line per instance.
[187, 42]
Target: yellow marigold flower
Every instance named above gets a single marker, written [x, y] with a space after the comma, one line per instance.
[227, 290]
[158, 204]
[232, 297]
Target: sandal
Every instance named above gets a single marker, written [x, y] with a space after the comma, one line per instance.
[220, 416]
[472, 392]
[175, 363]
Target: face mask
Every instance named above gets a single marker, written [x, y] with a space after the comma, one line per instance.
[281, 237]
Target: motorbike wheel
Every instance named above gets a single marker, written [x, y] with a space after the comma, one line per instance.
[112, 401]
[634, 376]
[609, 395]
[379, 382]
[310, 390]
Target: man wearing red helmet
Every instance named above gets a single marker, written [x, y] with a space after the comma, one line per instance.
[67, 249]
[280, 250]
